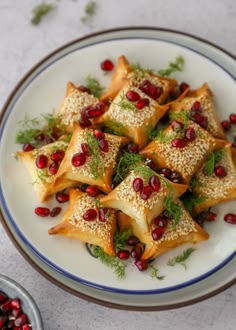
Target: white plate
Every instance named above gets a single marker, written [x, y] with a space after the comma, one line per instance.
[67, 261]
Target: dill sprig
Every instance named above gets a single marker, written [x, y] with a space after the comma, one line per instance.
[41, 11]
[154, 273]
[90, 10]
[213, 158]
[94, 85]
[125, 104]
[173, 208]
[191, 200]
[115, 127]
[175, 66]
[120, 239]
[180, 259]
[95, 162]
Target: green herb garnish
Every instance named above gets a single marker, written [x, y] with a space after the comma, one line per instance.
[180, 259]
[120, 239]
[191, 200]
[41, 11]
[125, 104]
[95, 162]
[114, 127]
[173, 208]
[90, 10]
[154, 273]
[175, 66]
[213, 158]
[94, 86]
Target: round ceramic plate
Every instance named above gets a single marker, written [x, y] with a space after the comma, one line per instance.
[66, 261]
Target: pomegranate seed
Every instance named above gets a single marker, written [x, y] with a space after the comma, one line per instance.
[190, 134]
[53, 168]
[178, 143]
[161, 221]
[92, 191]
[62, 197]
[154, 182]
[15, 303]
[84, 89]
[40, 137]
[176, 125]
[204, 122]
[103, 145]
[141, 264]
[138, 184]
[56, 133]
[98, 134]
[123, 254]
[85, 148]
[142, 103]
[27, 147]
[107, 65]
[58, 155]
[100, 106]
[183, 86]
[92, 113]
[21, 320]
[196, 106]
[175, 93]
[3, 297]
[133, 148]
[166, 172]
[220, 171]
[175, 177]
[55, 211]
[78, 159]
[26, 327]
[157, 233]
[145, 86]
[42, 211]
[16, 312]
[102, 213]
[208, 216]
[152, 165]
[196, 116]
[49, 139]
[137, 251]
[132, 240]
[232, 118]
[90, 215]
[84, 122]
[226, 125]
[132, 96]
[146, 192]
[230, 218]
[41, 161]
[150, 89]
[6, 306]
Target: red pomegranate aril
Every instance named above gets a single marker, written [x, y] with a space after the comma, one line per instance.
[62, 197]
[208, 216]
[92, 191]
[15, 303]
[160, 221]
[6, 306]
[107, 65]
[55, 211]
[100, 106]
[145, 86]
[84, 122]
[220, 171]
[26, 327]
[123, 254]
[84, 89]
[196, 116]
[204, 122]
[53, 168]
[132, 240]
[190, 134]
[196, 106]
[230, 218]
[27, 147]
[155, 183]
[157, 233]
[146, 192]
[132, 96]
[3, 297]
[78, 159]
[42, 211]
[98, 134]
[40, 137]
[102, 213]
[183, 86]
[178, 143]
[58, 155]
[41, 161]
[142, 103]
[133, 148]
[16, 312]
[90, 215]
[49, 139]
[152, 165]
[137, 251]
[141, 265]
[103, 145]
[21, 320]
[226, 125]
[166, 172]
[92, 113]
[176, 125]
[175, 177]
[138, 184]
[85, 148]
[232, 118]
[175, 93]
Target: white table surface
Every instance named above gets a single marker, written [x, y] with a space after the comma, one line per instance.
[21, 46]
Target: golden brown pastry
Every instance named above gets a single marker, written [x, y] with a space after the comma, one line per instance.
[216, 179]
[142, 195]
[82, 221]
[89, 159]
[181, 148]
[43, 164]
[200, 106]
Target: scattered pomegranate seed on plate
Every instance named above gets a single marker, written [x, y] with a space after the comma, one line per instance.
[107, 65]
[230, 218]
[42, 211]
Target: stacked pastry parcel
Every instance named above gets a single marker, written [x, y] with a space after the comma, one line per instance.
[153, 160]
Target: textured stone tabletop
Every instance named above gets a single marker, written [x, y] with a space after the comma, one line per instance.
[21, 46]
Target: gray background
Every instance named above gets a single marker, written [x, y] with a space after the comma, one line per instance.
[21, 46]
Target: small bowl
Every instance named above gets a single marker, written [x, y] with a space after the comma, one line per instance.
[29, 307]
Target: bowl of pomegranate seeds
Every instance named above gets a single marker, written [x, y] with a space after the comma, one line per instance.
[18, 310]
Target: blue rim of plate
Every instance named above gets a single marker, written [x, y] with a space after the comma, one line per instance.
[26, 81]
